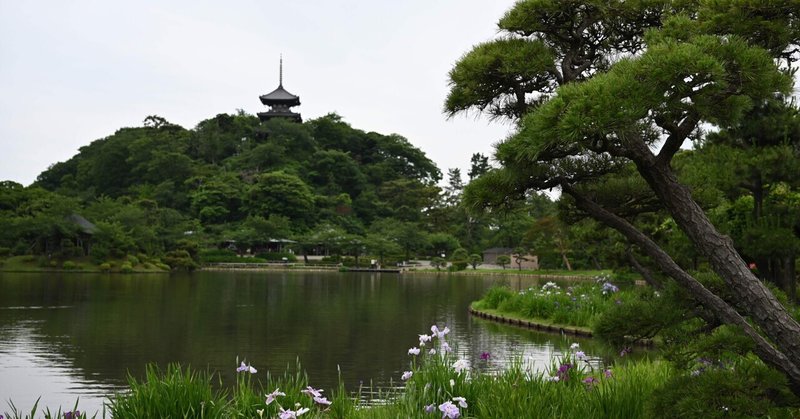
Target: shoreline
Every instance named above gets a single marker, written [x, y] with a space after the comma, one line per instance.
[530, 324]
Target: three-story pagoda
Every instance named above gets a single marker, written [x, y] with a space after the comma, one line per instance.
[280, 102]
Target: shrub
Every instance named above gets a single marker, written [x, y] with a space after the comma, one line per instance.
[503, 260]
[744, 388]
[277, 256]
[438, 263]
[126, 267]
[105, 267]
[20, 249]
[148, 265]
[217, 256]
[162, 266]
[180, 260]
[133, 260]
[5, 251]
[459, 260]
[475, 260]
[69, 265]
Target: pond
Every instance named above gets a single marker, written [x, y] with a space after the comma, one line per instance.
[69, 336]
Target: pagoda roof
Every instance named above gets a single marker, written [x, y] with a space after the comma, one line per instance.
[279, 95]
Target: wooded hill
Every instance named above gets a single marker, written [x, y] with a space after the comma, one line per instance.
[161, 187]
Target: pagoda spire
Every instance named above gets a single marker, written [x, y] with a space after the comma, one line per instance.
[280, 73]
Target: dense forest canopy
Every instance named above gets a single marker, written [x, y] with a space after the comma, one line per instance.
[162, 189]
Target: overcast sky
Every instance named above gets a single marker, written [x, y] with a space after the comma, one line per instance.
[75, 71]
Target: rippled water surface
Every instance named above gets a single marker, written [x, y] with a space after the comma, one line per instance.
[64, 336]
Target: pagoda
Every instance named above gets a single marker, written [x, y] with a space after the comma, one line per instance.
[280, 102]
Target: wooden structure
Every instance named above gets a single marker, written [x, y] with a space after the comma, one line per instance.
[280, 102]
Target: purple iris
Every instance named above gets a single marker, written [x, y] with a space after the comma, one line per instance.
[485, 356]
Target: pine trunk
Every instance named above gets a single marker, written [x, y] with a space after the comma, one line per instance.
[749, 293]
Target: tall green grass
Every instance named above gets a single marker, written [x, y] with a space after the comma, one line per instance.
[576, 305]
[630, 390]
[174, 393]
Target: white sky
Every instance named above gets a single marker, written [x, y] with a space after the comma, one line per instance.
[78, 70]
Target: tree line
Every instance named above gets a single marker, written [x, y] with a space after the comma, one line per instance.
[163, 190]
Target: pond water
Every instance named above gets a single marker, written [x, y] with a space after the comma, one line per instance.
[70, 336]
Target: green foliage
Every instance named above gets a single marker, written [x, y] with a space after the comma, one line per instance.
[743, 388]
[105, 267]
[282, 194]
[180, 260]
[126, 267]
[494, 297]
[475, 260]
[459, 259]
[582, 304]
[218, 256]
[175, 392]
[5, 251]
[637, 319]
[69, 265]
[133, 260]
[438, 263]
[503, 260]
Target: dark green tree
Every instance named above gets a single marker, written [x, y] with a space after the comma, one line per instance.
[283, 194]
[591, 128]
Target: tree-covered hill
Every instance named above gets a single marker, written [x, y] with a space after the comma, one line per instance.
[161, 189]
[230, 167]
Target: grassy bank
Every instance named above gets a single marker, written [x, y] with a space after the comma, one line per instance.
[30, 263]
[577, 305]
[514, 271]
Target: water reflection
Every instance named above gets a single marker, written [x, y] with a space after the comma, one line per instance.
[80, 335]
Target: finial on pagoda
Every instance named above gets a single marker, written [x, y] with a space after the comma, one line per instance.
[280, 101]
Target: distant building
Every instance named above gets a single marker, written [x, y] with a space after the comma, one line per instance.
[280, 102]
[528, 261]
[490, 255]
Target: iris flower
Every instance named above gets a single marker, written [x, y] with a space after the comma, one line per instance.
[311, 391]
[274, 395]
[461, 401]
[248, 368]
[460, 365]
[449, 410]
[291, 414]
